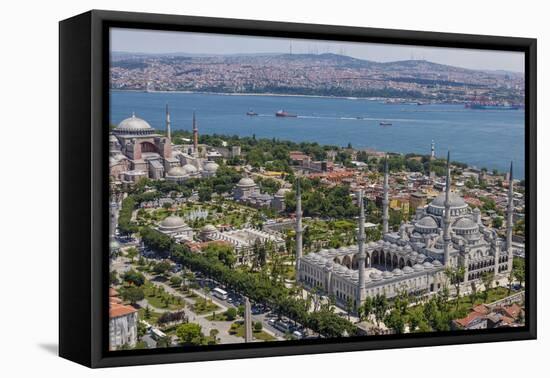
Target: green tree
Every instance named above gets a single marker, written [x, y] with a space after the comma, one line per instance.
[380, 307]
[258, 326]
[131, 253]
[133, 277]
[162, 267]
[113, 277]
[164, 342]
[176, 281]
[367, 308]
[456, 277]
[231, 313]
[190, 334]
[132, 294]
[487, 279]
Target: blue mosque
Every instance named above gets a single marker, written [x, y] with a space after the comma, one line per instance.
[446, 233]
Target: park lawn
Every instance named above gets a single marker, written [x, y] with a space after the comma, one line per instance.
[237, 329]
[217, 317]
[157, 299]
[203, 306]
[152, 319]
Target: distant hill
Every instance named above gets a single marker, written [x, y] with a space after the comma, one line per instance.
[311, 74]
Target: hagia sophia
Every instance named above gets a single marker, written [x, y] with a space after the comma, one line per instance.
[137, 151]
[446, 233]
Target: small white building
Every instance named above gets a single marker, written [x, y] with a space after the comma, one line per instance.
[122, 325]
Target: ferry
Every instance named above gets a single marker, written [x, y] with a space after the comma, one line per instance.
[282, 113]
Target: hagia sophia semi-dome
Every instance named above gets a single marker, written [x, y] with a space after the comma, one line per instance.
[189, 168]
[172, 221]
[177, 172]
[133, 124]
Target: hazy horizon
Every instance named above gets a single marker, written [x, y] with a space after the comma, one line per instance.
[141, 41]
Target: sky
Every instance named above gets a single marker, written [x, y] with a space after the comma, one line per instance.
[151, 41]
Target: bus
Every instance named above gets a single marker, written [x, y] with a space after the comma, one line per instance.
[219, 293]
[157, 334]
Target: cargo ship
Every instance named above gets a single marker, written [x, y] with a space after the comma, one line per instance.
[491, 106]
[282, 113]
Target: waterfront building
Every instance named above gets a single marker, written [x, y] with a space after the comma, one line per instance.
[444, 233]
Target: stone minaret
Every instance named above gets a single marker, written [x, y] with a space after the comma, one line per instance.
[385, 200]
[168, 128]
[195, 135]
[447, 215]
[432, 153]
[299, 229]
[361, 246]
[510, 218]
[247, 322]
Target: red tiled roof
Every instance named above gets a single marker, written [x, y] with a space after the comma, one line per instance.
[481, 308]
[116, 310]
[113, 292]
[512, 311]
[464, 322]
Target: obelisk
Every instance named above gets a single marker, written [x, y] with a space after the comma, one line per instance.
[247, 322]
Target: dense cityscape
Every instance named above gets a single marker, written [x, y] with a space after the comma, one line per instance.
[223, 239]
[324, 74]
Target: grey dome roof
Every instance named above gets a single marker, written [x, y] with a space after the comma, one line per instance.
[281, 192]
[133, 124]
[465, 223]
[418, 267]
[397, 272]
[427, 222]
[190, 168]
[211, 166]
[172, 221]
[177, 172]
[246, 181]
[454, 199]
[209, 228]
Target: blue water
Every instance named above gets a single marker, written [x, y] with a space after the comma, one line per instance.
[481, 138]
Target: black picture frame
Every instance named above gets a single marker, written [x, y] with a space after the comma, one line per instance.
[83, 196]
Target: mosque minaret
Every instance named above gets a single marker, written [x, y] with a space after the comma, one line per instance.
[361, 247]
[299, 229]
[168, 126]
[510, 217]
[385, 200]
[447, 220]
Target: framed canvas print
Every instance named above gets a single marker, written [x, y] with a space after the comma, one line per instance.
[234, 188]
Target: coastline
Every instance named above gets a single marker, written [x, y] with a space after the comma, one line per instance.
[259, 94]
